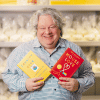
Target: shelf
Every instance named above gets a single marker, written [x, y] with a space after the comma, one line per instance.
[30, 8]
[97, 74]
[87, 43]
[90, 97]
[80, 43]
[10, 44]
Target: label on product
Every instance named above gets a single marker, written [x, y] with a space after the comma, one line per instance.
[32, 1]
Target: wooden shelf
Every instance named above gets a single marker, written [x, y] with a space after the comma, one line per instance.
[10, 44]
[97, 74]
[30, 8]
[87, 43]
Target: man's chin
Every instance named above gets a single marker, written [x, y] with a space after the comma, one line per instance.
[49, 46]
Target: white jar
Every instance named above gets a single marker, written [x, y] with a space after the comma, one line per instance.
[43, 2]
[22, 2]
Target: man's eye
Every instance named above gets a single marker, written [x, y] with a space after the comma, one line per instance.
[53, 27]
[42, 28]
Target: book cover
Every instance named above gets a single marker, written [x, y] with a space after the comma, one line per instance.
[67, 65]
[33, 66]
[74, 2]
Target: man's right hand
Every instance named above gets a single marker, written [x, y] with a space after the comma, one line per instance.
[33, 84]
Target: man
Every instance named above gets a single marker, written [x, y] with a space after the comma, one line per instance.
[48, 46]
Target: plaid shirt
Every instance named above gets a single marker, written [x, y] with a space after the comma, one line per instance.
[15, 78]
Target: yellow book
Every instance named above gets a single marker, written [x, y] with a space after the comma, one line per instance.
[33, 66]
[74, 2]
[8, 1]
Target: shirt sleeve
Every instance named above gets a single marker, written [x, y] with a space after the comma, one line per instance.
[86, 76]
[12, 75]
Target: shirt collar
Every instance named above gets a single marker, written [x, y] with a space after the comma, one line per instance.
[61, 43]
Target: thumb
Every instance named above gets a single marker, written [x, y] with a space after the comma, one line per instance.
[37, 79]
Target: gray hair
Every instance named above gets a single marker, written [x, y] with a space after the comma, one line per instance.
[56, 16]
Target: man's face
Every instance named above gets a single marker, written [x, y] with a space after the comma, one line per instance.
[48, 32]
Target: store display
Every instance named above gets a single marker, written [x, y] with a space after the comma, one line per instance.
[6, 23]
[16, 29]
[3, 38]
[77, 28]
[2, 60]
[96, 67]
[27, 37]
[2, 97]
[4, 53]
[15, 38]
[33, 32]
[22, 31]
[77, 37]
[89, 37]
[82, 28]
[1, 31]
[67, 36]
[5, 94]
[93, 58]
[9, 32]
[97, 38]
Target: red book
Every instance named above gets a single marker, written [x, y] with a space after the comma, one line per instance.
[67, 65]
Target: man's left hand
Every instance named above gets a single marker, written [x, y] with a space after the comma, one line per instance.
[70, 84]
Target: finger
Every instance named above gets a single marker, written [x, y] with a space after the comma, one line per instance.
[64, 83]
[37, 87]
[64, 79]
[38, 84]
[66, 87]
[37, 79]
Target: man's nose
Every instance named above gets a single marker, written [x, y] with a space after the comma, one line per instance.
[47, 31]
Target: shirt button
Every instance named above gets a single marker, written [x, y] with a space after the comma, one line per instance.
[55, 89]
